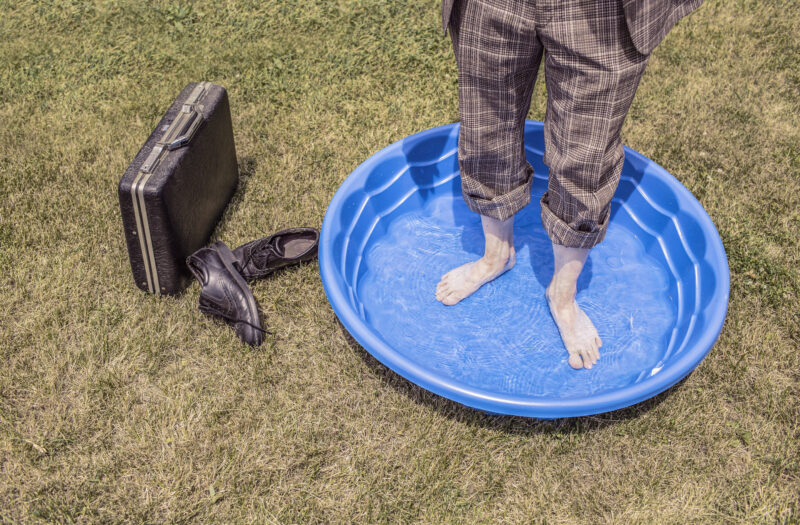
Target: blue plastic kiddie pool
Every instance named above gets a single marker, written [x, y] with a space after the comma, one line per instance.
[656, 287]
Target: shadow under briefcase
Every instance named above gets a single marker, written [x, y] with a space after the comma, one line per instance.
[177, 187]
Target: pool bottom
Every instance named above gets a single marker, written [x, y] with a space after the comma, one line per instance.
[502, 339]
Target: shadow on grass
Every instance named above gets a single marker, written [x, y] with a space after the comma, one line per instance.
[247, 168]
[510, 424]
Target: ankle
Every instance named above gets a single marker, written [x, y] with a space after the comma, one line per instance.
[560, 295]
[499, 256]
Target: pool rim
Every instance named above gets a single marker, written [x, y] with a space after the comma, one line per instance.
[540, 406]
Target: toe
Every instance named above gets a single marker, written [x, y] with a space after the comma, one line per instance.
[575, 361]
[598, 341]
[591, 352]
[586, 354]
[451, 299]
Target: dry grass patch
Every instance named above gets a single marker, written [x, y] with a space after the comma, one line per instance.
[118, 406]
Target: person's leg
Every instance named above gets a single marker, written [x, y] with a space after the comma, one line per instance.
[498, 56]
[592, 72]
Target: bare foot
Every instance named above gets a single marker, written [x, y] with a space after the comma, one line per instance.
[463, 281]
[498, 258]
[577, 331]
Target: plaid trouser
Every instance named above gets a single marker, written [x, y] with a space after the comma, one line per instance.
[592, 70]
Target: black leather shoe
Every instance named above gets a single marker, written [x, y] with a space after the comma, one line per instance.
[225, 293]
[260, 258]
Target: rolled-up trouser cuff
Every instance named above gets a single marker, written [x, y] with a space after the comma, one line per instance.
[502, 206]
[561, 233]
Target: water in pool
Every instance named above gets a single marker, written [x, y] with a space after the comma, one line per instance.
[502, 338]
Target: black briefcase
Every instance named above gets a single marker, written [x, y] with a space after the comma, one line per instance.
[177, 187]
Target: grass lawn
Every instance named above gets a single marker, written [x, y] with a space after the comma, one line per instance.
[118, 406]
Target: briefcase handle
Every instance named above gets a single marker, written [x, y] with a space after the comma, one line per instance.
[180, 131]
[186, 125]
[190, 118]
